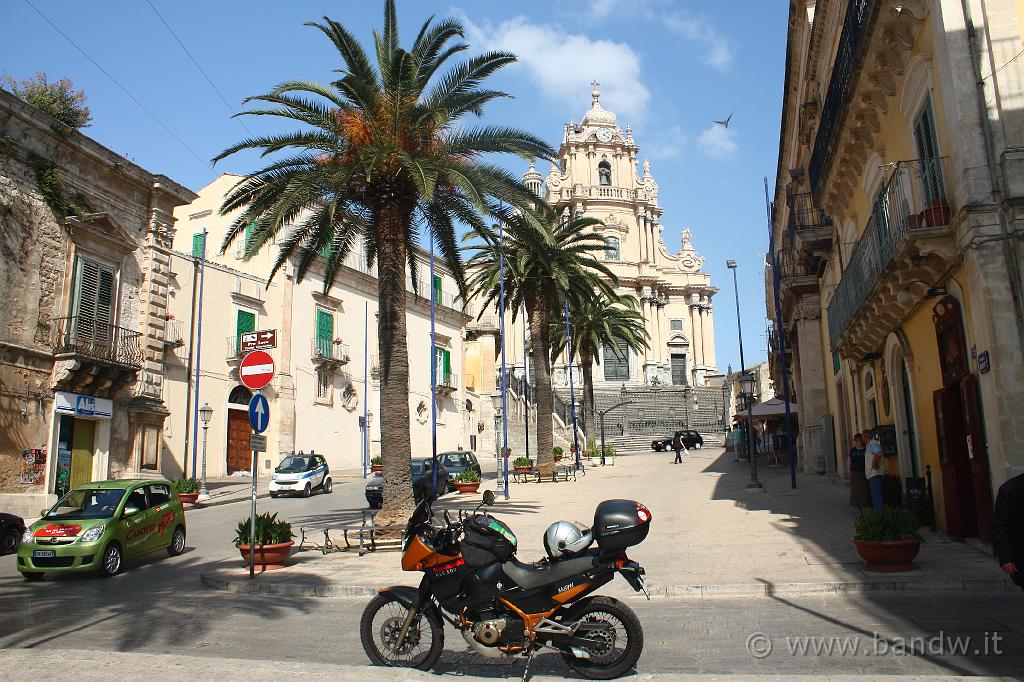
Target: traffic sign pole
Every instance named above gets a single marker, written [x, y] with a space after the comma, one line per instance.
[252, 506]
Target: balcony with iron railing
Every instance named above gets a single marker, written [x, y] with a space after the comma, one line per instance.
[798, 275]
[846, 67]
[90, 339]
[810, 227]
[447, 383]
[328, 352]
[907, 244]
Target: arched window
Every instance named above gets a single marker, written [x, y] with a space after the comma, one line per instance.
[604, 173]
[611, 248]
[240, 395]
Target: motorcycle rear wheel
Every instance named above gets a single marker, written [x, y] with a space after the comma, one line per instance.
[379, 627]
[614, 659]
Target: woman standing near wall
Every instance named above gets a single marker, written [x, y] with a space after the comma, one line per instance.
[860, 496]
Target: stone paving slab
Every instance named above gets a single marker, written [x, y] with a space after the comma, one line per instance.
[102, 666]
[708, 539]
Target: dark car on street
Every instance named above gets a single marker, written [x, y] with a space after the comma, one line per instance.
[691, 439]
[422, 482]
[458, 461]
[11, 529]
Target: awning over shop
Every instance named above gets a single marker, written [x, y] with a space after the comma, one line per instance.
[776, 407]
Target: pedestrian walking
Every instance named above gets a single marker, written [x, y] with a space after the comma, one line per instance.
[873, 468]
[1008, 529]
[860, 496]
[677, 445]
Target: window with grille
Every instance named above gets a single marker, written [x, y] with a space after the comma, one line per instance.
[928, 151]
[676, 325]
[611, 248]
[324, 381]
[616, 360]
[93, 302]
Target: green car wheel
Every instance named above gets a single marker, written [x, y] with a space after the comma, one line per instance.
[111, 564]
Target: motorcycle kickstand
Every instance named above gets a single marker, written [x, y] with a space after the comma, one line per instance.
[529, 659]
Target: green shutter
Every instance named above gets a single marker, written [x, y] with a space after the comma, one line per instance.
[324, 332]
[245, 322]
[197, 245]
[835, 363]
[248, 238]
[437, 289]
[446, 359]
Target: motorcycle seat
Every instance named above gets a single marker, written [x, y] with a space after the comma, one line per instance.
[529, 576]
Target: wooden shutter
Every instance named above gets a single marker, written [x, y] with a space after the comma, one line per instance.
[437, 289]
[324, 332]
[245, 322]
[94, 303]
[928, 151]
[446, 366]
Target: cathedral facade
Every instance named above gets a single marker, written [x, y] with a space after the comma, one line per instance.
[597, 176]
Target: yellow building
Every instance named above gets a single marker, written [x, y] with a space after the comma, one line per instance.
[896, 237]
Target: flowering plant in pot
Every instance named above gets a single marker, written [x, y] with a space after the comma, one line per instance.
[273, 540]
[468, 481]
[557, 453]
[887, 540]
[377, 463]
[187, 489]
[522, 465]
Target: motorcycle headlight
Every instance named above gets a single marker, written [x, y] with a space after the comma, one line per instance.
[94, 533]
[27, 535]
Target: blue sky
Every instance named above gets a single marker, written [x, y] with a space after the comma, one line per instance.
[667, 68]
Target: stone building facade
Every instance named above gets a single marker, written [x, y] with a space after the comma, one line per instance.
[897, 230]
[85, 241]
[326, 355]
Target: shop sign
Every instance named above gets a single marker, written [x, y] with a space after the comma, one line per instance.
[85, 406]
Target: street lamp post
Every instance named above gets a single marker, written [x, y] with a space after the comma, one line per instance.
[205, 414]
[755, 485]
[502, 461]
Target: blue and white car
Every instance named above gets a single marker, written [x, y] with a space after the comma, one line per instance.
[301, 474]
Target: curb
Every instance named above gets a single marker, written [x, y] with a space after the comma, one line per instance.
[217, 502]
[714, 591]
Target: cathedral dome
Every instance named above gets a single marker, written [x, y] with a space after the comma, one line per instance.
[598, 115]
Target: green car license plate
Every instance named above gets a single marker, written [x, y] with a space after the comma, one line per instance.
[43, 553]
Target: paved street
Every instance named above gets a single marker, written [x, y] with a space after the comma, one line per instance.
[160, 607]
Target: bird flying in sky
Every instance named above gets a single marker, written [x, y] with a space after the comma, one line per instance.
[725, 123]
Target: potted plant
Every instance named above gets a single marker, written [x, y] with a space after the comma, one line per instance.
[591, 450]
[377, 463]
[938, 213]
[887, 540]
[187, 489]
[273, 540]
[557, 452]
[522, 465]
[468, 481]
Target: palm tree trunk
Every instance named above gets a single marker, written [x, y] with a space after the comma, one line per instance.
[396, 447]
[538, 313]
[587, 364]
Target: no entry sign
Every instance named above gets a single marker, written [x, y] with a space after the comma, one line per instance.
[257, 370]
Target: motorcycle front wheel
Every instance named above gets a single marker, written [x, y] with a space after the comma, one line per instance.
[618, 631]
[381, 625]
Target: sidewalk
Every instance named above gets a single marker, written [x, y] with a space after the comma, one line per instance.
[709, 538]
[228, 489]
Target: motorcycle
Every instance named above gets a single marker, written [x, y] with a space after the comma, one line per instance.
[504, 607]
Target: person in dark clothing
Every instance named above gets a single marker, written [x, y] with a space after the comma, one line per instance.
[860, 497]
[677, 445]
[1008, 529]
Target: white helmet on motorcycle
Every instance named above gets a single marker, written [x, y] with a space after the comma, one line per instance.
[565, 538]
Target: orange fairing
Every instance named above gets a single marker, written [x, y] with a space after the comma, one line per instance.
[419, 556]
[563, 597]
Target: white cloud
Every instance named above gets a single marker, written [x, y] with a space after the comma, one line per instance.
[718, 51]
[667, 144]
[562, 64]
[718, 142]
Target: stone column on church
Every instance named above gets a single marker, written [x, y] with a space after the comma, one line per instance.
[656, 336]
[641, 224]
[709, 334]
[698, 339]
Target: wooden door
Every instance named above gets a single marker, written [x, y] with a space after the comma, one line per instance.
[239, 454]
[957, 489]
[81, 452]
[977, 453]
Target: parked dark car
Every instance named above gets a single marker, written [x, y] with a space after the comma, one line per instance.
[458, 461]
[11, 529]
[422, 482]
[691, 439]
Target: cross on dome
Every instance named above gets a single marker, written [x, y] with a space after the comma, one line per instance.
[598, 115]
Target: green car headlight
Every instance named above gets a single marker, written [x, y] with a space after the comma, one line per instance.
[27, 535]
[94, 533]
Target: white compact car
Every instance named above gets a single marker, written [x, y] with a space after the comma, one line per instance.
[301, 474]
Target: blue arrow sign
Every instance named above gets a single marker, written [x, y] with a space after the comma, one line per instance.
[259, 413]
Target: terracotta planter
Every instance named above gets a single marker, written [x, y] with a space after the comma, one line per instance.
[558, 458]
[914, 220]
[376, 468]
[888, 557]
[522, 470]
[938, 214]
[188, 498]
[268, 556]
[465, 488]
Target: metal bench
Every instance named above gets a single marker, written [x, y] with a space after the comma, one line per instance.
[366, 531]
[560, 473]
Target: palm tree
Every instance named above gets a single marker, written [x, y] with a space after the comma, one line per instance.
[597, 322]
[382, 156]
[546, 259]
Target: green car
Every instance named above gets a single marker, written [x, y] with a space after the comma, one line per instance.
[99, 525]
